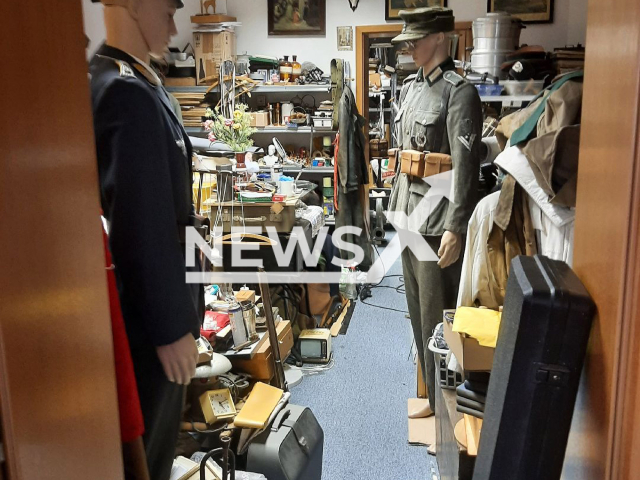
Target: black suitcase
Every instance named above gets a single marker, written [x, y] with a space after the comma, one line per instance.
[536, 371]
[289, 449]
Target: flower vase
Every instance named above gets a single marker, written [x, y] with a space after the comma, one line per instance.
[240, 160]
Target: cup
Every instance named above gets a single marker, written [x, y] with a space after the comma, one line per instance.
[286, 188]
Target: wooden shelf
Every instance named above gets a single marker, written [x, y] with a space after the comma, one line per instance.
[261, 89]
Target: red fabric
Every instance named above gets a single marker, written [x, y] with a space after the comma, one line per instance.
[131, 421]
[336, 177]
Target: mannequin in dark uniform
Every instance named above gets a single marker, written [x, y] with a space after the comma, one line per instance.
[439, 112]
[144, 164]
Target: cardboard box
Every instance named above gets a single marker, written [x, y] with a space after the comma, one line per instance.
[260, 367]
[259, 119]
[375, 80]
[470, 354]
[246, 296]
[180, 82]
[211, 50]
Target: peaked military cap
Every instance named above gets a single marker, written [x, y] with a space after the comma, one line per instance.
[421, 22]
[123, 3]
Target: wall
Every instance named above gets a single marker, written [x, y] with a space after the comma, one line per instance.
[569, 26]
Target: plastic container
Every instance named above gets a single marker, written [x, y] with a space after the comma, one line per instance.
[523, 87]
[449, 380]
[485, 89]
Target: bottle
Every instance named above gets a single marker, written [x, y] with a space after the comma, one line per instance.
[285, 70]
[296, 69]
[277, 114]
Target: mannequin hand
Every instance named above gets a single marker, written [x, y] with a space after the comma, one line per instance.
[450, 248]
[179, 359]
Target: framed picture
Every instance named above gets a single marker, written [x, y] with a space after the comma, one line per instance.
[529, 11]
[393, 7]
[297, 17]
[345, 38]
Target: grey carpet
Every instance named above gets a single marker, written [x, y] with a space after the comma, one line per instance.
[361, 402]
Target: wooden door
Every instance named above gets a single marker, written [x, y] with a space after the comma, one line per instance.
[604, 440]
[57, 382]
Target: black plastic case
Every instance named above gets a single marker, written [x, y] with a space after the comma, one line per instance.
[536, 371]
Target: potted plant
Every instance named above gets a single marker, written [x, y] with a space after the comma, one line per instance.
[235, 132]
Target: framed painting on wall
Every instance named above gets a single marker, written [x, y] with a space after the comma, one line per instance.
[393, 7]
[529, 11]
[297, 17]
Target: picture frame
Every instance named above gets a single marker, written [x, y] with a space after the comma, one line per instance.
[529, 11]
[345, 38]
[393, 7]
[301, 18]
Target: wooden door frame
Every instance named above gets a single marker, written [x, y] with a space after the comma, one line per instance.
[57, 372]
[605, 435]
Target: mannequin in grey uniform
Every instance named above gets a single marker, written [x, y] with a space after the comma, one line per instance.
[439, 112]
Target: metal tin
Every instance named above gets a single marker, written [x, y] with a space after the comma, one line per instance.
[238, 327]
[249, 315]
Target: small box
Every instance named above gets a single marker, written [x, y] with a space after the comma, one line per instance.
[412, 163]
[205, 350]
[378, 148]
[375, 80]
[393, 159]
[260, 367]
[278, 197]
[217, 405]
[246, 296]
[470, 354]
[259, 119]
[211, 50]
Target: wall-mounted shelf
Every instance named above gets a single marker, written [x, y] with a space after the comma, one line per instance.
[507, 100]
[261, 89]
[265, 130]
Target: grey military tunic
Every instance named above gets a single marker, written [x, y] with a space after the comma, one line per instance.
[429, 288]
[415, 127]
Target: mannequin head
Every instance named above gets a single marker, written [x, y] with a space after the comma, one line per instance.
[140, 27]
[430, 51]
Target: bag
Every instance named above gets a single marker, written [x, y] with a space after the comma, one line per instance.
[424, 164]
[291, 449]
[537, 364]
[378, 147]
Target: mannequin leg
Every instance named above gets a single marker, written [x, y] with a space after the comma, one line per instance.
[429, 289]
[161, 402]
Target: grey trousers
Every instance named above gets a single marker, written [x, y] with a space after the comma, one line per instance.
[429, 290]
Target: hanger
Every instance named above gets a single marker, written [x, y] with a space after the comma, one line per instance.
[228, 239]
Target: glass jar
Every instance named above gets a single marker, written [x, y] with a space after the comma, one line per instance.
[296, 69]
[285, 70]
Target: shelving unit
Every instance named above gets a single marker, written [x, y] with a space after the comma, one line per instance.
[293, 135]
[260, 89]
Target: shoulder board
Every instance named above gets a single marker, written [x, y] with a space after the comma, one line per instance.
[124, 67]
[453, 78]
[410, 78]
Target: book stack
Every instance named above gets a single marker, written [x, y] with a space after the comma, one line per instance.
[568, 59]
[193, 107]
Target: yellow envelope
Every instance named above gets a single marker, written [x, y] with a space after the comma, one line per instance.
[259, 406]
[480, 323]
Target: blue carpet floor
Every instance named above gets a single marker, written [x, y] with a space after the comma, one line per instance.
[361, 402]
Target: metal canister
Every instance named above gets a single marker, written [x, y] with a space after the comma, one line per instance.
[238, 328]
[249, 314]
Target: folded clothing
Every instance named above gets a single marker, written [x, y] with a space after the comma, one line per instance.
[463, 392]
[480, 323]
[470, 411]
[478, 387]
[465, 402]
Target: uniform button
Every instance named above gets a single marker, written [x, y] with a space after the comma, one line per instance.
[411, 109]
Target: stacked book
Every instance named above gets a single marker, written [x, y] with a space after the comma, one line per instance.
[568, 59]
[193, 106]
